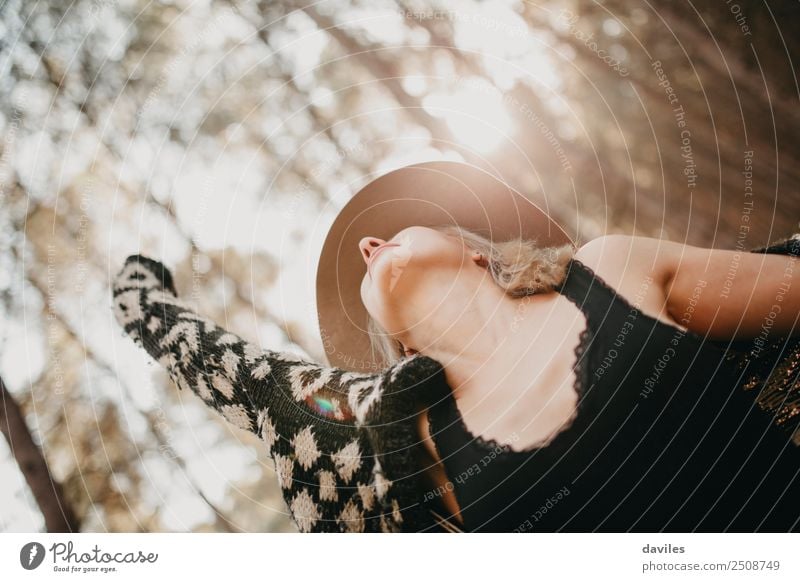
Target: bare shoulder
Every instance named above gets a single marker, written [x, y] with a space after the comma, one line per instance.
[637, 267]
[619, 254]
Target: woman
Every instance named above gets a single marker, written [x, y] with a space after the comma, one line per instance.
[529, 388]
[652, 301]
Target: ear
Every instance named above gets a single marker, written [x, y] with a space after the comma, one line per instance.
[480, 259]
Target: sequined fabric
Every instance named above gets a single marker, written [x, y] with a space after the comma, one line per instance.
[770, 365]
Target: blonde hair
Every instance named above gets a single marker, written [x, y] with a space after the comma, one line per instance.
[518, 266]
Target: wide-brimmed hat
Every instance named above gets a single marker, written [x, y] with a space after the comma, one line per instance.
[426, 194]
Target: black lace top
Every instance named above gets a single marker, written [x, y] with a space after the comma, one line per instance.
[665, 438]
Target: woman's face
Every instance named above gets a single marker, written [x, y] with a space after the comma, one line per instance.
[408, 275]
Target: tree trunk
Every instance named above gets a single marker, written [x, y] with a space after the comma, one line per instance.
[58, 515]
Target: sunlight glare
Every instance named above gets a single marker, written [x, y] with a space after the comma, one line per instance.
[474, 111]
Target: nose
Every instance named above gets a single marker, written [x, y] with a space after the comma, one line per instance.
[367, 245]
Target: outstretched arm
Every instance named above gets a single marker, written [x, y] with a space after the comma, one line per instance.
[744, 294]
[233, 376]
[315, 420]
[720, 294]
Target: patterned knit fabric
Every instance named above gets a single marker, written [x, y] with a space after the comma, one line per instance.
[345, 444]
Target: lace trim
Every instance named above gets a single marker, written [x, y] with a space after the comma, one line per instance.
[492, 445]
[641, 314]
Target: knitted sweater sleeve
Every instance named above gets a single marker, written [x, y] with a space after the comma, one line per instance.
[316, 421]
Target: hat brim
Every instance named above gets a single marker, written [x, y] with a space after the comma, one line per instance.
[426, 194]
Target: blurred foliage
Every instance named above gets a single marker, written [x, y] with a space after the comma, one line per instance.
[223, 137]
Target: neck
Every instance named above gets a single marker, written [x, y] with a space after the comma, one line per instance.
[478, 324]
